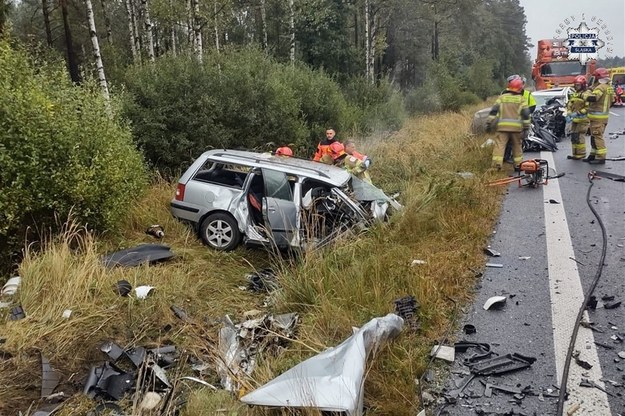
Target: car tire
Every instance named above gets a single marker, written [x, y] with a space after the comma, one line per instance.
[220, 231]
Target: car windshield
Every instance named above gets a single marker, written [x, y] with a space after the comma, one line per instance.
[542, 99]
[558, 69]
[364, 191]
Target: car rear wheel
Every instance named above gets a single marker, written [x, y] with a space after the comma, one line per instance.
[220, 231]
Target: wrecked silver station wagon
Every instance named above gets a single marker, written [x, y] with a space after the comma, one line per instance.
[233, 196]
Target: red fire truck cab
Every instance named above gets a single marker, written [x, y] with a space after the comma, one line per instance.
[554, 68]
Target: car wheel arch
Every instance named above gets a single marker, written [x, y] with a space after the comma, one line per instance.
[237, 233]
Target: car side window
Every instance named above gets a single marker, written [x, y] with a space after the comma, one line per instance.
[277, 185]
[223, 174]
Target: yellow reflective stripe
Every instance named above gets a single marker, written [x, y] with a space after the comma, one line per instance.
[602, 151]
[509, 124]
[597, 116]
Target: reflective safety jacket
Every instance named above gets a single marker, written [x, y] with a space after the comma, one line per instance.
[529, 100]
[600, 98]
[577, 104]
[511, 112]
[356, 167]
[323, 148]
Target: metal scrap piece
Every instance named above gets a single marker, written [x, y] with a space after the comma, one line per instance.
[589, 383]
[502, 364]
[117, 385]
[136, 355]
[113, 350]
[97, 380]
[50, 378]
[492, 252]
[48, 409]
[495, 301]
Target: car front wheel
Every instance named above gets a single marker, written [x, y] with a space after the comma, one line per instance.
[220, 231]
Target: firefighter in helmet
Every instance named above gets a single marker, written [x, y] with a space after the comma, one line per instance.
[599, 98]
[510, 118]
[284, 151]
[577, 109]
[338, 157]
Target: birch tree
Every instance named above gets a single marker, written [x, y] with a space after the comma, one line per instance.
[145, 11]
[292, 32]
[132, 31]
[197, 30]
[96, 51]
[216, 24]
[369, 53]
[263, 21]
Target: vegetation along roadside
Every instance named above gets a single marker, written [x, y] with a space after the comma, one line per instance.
[446, 223]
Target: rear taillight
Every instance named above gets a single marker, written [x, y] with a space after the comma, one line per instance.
[180, 192]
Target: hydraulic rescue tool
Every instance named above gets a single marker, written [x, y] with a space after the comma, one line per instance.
[532, 172]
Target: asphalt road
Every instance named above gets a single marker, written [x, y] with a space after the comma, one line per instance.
[550, 254]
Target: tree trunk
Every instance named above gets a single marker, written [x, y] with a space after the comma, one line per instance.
[216, 27]
[197, 30]
[173, 30]
[96, 51]
[107, 23]
[45, 7]
[263, 20]
[368, 43]
[132, 30]
[72, 63]
[292, 31]
[190, 38]
[435, 47]
[145, 9]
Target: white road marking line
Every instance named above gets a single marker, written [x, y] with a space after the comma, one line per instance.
[614, 114]
[566, 298]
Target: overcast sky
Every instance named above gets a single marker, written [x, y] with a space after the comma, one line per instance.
[545, 16]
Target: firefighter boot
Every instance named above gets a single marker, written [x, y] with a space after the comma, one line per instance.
[588, 158]
[597, 162]
[575, 157]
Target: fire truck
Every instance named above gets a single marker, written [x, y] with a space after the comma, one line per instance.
[554, 68]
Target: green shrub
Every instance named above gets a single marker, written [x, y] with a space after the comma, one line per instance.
[242, 99]
[424, 99]
[380, 106]
[60, 152]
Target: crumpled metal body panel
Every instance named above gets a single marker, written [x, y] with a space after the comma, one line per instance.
[332, 380]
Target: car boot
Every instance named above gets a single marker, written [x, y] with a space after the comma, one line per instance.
[597, 162]
[588, 158]
[573, 157]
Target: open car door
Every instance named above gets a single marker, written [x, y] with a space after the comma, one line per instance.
[279, 210]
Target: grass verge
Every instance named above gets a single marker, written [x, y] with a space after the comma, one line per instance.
[446, 222]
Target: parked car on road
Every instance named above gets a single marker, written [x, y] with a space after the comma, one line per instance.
[233, 196]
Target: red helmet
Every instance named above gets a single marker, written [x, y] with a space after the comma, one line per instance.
[337, 150]
[581, 80]
[284, 151]
[601, 73]
[515, 84]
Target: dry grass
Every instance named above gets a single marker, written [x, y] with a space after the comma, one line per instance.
[446, 222]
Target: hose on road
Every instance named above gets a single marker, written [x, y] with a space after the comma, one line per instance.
[580, 314]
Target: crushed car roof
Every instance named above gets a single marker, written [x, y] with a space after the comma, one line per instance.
[314, 170]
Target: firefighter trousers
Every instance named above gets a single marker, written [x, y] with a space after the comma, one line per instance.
[578, 139]
[597, 142]
[502, 139]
